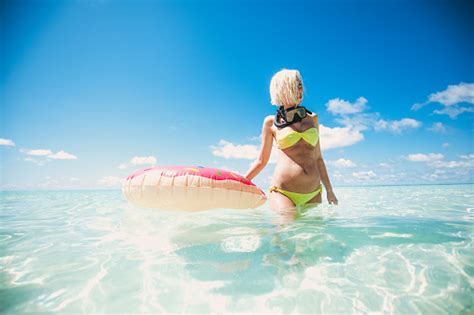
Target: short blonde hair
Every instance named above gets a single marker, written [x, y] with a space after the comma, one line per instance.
[284, 87]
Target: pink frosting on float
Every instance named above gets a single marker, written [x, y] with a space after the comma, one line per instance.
[207, 172]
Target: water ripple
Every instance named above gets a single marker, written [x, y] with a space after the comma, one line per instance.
[382, 250]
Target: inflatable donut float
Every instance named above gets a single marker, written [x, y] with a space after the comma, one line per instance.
[191, 188]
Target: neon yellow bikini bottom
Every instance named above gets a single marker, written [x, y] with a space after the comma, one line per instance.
[298, 199]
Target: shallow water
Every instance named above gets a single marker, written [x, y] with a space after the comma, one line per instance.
[398, 249]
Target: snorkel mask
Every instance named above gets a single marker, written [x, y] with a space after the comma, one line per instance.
[285, 117]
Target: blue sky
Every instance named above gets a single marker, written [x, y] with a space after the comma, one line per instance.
[91, 90]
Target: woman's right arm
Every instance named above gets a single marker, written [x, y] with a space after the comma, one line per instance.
[265, 150]
[323, 172]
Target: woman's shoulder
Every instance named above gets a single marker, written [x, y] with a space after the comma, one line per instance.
[269, 120]
[268, 124]
[314, 117]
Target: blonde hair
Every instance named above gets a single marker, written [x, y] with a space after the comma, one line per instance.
[284, 88]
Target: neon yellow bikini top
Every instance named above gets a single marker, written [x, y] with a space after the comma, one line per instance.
[288, 137]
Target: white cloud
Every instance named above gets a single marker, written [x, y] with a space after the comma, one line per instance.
[438, 127]
[36, 161]
[39, 152]
[445, 145]
[73, 179]
[453, 111]
[111, 181]
[466, 162]
[364, 175]
[450, 98]
[436, 160]
[256, 138]
[42, 154]
[397, 126]
[420, 157]
[365, 121]
[139, 160]
[454, 94]
[6, 142]
[342, 163]
[355, 122]
[337, 137]
[340, 106]
[361, 121]
[452, 174]
[228, 150]
[453, 164]
[9, 187]
[49, 183]
[61, 155]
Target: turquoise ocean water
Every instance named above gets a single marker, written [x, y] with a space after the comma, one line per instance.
[394, 249]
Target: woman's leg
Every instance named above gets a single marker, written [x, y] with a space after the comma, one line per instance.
[283, 206]
[313, 202]
[316, 199]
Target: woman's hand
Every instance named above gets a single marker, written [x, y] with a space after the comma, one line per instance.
[332, 197]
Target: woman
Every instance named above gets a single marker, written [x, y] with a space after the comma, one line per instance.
[300, 168]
